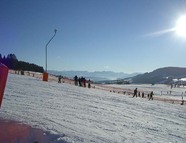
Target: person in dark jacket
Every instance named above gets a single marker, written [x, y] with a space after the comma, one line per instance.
[143, 95]
[84, 82]
[89, 85]
[59, 78]
[135, 92]
[151, 95]
[76, 80]
[79, 80]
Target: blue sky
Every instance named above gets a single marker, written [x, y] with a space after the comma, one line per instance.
[94, 35]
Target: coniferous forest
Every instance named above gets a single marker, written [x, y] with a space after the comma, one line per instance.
[13, 63]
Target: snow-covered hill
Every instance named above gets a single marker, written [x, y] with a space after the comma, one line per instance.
[77, 114]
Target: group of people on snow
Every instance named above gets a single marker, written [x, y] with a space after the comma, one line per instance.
[59, 78]
[81, 81]
[138, 94]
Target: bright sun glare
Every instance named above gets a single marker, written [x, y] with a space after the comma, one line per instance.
[181, 26]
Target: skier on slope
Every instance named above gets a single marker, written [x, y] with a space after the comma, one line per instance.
[135, 92]
[139, 93]
[84, 82]
[151, 95]
[76, 80]
[79, 80]
[143, 95]
[59, 78]
[89, 85]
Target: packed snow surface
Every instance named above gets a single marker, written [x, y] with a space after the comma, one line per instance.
[159, 90]
[78, 114]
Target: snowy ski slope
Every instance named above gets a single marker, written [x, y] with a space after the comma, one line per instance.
[82, 115]
[160, 90]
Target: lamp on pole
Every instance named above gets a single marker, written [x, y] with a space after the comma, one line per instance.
[47, 45]
[45, 74]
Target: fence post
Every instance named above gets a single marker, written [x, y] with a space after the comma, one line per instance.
[3, 78]
[45, 76]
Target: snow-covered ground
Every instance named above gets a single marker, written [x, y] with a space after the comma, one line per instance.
[160, 90]
[77, 114]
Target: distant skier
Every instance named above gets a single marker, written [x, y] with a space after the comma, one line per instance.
[135, 92]
[79, 80]
[59, 79]
[89, 85]
[151, 95]
[76, 80]
[143, 95]
[182, 102]
[84, 82]
[139, 94]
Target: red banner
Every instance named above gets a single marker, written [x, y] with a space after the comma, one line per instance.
[3, 78]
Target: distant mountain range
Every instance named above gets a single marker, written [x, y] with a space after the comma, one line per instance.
[161, 75]
[95, 76]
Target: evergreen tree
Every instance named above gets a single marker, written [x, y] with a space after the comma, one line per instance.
[12, 62]
[4, 60]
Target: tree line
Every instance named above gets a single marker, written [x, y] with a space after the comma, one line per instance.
[13, 63]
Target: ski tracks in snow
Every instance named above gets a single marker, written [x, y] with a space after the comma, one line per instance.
[80, 114]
